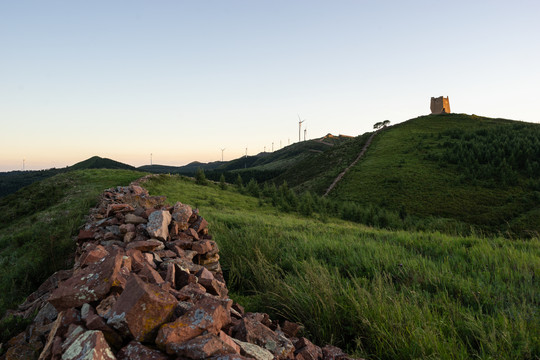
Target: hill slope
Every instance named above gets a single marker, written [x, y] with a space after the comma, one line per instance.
[478, 170]
[37, 223]
[14, 180]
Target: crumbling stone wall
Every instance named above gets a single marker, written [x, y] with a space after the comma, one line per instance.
[440, 105]
[147, 284]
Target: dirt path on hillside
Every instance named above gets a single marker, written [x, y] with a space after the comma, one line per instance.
[340, 176]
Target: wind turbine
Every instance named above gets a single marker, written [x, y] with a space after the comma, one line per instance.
[150, 158]
[222, 150]
[300, 121]
[305, 134]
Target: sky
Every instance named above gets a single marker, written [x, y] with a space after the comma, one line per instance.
[182, 80]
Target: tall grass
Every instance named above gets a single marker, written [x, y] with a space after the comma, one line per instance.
[380, 294]
[37, 226]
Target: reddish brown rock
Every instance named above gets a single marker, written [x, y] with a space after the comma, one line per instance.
[137, 190]
[201, 347]
[89, 345]
[290, 329]
[69, 317]
[202, 247]
[148, 245]
[104, 309]
[137, 259]
[85, 235]
[229, 341]
[183, 278]
[125, 228]
[209, 260]
[209, 315]
[93, 256]
[200, 224]
[306, 350]
[158, 224]
[330, 352]
[137, 351]
[150, 275]
[89, 284]
[149, 259]
[214, 287]
[121, 208]
[191, 232]
[166, 253]
[134, 219]
[141, 309]
[96, 322]
[204, 274]
[181, 215]
[253, 331]
[129, 237]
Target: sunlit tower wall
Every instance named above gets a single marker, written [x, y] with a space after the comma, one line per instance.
[440, 105]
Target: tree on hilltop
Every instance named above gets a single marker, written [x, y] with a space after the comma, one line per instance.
[381, 124]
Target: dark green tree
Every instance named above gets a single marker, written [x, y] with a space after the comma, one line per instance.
[200, 178]
[222, 183]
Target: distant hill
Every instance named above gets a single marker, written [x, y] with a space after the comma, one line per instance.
[188, 169]
[12, 181]
[306, 158]
[96, 162]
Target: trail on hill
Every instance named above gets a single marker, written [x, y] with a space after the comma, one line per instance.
[340, 176]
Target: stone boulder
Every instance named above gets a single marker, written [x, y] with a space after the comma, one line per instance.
[158, 224]
[141, 309]
[89, 284]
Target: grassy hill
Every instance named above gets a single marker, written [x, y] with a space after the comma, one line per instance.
[12, 181]
[319, 160]
[96, 162]
[477, 170]
[381, 294]
[37, 223]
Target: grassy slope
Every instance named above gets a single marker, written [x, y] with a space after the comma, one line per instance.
[395, 174]
[37, 225]
[12, 181]
[316, 172]
[381, 294]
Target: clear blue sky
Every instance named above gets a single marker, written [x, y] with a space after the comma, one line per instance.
[183, 79]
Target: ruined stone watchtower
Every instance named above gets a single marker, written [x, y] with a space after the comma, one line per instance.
[440, 105]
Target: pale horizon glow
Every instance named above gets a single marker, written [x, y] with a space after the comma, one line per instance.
[184, 79]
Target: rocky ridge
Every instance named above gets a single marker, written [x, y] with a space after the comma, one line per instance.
[147, 284]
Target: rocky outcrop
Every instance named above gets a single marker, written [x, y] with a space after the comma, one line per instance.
[147, 284]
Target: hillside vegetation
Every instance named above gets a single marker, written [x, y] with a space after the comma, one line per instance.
[481, 171]
[381, 294]
[38, 223]
[12, 181]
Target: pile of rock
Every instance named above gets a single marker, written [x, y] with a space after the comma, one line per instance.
[147, 284]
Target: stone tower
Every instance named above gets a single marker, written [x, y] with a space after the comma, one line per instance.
[440, 105]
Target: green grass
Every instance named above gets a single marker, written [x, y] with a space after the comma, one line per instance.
[398, 171]
[380, 294]
[37, 226]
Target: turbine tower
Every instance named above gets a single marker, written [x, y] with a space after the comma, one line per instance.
[150, 158]
[300, 121]
[305, 134]
[222, 150]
